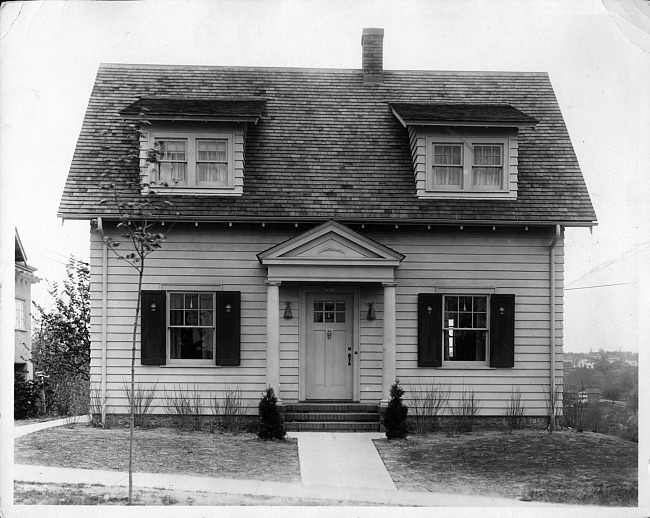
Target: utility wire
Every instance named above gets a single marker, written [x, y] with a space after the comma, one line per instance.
[600, 286]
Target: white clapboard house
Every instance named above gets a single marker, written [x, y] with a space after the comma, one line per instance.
[339, 229]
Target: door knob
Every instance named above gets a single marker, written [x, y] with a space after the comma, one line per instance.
[349, 358]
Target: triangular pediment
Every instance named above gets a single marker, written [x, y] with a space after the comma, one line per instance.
[330, 243]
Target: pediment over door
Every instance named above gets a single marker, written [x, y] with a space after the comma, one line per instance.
[331, 252]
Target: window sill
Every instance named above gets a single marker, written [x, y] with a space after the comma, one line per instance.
[202, 191]
[191, 366]
[475, 195]
[466, 366]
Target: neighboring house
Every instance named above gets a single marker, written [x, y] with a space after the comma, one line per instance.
[339, 229]
[586, 364]
[23, 330]
[589, 396]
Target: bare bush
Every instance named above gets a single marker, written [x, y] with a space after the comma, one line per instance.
[464, 413]
[574, 410]
[97, 405]
[230, 409]
[515, 410]
[140, 399]
[179, 406]
[554, 402]
[426, 401]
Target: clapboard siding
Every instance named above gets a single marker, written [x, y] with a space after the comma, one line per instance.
[443, 261]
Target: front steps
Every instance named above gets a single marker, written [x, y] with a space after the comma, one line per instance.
[331, 417]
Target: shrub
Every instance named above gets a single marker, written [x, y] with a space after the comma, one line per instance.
[574, 410]
[426, 401]
[513, 419]
[232, 410]
[462, 416]
[26, 397]
[142, 399]
[395, 415]
[185, 405]
[271, 425]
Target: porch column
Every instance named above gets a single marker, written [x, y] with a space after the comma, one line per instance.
[273, 336]
[390, 333]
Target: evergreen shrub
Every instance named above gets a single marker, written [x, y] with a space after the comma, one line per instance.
[395, 415]
[26, 397]
[271, 425]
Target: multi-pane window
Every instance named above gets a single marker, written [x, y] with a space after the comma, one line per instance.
[172, 161]
[192, 160]
[329, 311]
[212, 161]
[488, 166]
[191, 325]
[465, 328]
[21, 314]
[447, 165]
[467, 165]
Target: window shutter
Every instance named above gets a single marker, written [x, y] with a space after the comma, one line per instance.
[502, 331]
[153, 323]
[429, 330]
[228, 327]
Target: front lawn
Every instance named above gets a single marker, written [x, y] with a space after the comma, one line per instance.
[565, 466]
[162, 450]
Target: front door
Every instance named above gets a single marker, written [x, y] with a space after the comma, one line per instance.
[329, 345]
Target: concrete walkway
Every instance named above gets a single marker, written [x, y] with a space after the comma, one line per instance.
[351, 460]
[340, 467]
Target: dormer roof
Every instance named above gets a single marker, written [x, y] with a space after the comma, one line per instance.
[231, 110]
[461, 114]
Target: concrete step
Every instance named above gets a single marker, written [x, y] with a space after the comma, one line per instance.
[332, 416]
[329, 426]
[329, 407]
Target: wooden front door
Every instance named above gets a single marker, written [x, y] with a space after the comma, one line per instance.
[329, 346]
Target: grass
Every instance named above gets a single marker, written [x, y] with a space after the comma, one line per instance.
[162, 450]
[563, 467]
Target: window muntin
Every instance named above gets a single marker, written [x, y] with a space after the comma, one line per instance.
[466, 164]
[465, 328]
[191, 326]
[21, 315]
[172, 161]
[212, 162]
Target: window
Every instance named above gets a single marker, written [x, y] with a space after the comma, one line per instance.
[193, 160]
[21, 315]
[190, 328]
[467, 165]
[329, 311]
[465, 330]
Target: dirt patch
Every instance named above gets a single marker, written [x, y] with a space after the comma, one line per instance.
[563, 467]
[86, 494]
[162, 450]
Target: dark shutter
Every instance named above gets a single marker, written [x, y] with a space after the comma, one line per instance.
[153, 322]
[228, 327]
[429, 330]
[502, 331]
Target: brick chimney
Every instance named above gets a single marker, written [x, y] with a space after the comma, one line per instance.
[372, 42]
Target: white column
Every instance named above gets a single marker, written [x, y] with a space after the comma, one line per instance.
[273, 336]
[390, 333]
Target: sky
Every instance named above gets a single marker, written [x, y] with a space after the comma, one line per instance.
[597, 59]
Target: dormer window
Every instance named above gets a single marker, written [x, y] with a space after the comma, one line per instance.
[199, 143]
[197, 160]
[464, 150]
[467, 164]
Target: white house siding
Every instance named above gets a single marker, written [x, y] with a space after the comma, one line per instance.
[436, 260]
[502, 262]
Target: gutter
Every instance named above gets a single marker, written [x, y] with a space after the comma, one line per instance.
[347, 221]
[556, 237]
[104, 318]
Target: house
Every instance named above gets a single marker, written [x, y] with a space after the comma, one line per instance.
[589, 396]
[23, 330]
[332, 231]
[585, 364]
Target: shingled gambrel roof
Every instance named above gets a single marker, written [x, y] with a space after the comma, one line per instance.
[476, 114]
[328, 146]
[225, 109]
